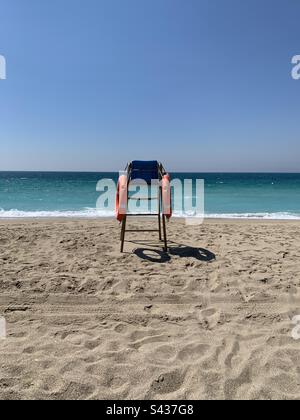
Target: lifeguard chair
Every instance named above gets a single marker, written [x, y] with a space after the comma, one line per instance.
[153, 175]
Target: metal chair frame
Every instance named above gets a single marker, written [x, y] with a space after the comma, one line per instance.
[162, 229]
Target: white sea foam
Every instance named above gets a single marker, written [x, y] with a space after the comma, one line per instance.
[258, 216]
[91, 213]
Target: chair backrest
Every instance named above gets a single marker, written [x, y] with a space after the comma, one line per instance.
[145, 170]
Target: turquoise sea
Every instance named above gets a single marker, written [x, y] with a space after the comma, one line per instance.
[230, 195]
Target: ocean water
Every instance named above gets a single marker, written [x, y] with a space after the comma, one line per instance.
[58, 194]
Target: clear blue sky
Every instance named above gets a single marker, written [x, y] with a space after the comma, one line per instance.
[202, 85]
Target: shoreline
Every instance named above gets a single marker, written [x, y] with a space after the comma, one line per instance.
[173, 219]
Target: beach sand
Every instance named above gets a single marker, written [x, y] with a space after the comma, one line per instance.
[211, 320]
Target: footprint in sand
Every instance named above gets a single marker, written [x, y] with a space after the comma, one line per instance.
[92, 344]
[210, 317]
[192, 352]
[168, 382]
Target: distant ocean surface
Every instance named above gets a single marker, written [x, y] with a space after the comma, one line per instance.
[59, 194]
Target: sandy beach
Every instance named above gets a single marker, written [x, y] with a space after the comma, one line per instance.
[210, 320]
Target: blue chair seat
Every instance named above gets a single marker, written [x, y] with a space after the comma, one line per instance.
[145, 170]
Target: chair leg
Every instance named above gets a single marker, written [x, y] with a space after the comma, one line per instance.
[159, 217]
[165, 233]
[159, 227]
[158, 211]
[123, 231]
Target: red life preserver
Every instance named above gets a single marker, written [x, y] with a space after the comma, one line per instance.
[121, 198]
[166, 196]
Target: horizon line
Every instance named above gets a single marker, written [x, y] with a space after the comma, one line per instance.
[171, 171]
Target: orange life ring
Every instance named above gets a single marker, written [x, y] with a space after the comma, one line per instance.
[166, 196]
[121, 198]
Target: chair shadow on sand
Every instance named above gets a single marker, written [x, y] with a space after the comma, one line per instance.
[179, 250]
